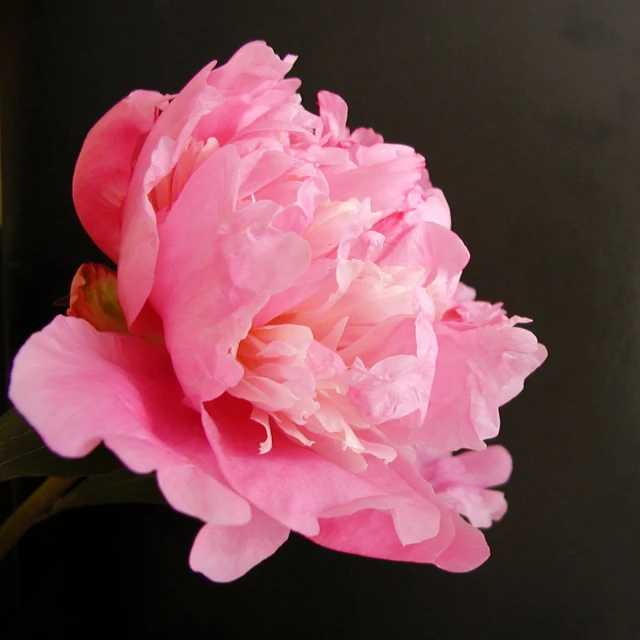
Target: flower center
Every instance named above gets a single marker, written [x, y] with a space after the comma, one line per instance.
[315, 371]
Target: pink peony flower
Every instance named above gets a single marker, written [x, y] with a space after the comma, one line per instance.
[297, 352]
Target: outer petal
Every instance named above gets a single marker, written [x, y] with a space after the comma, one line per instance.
[372, 533]
[461, 481]
[488, 468]
[225, 553]
[480, 506]
[468, 548]
[477, 370]
[333, 116]
[252, 69]
[77, 386]
[257, 101]
[105, 165]
[467, 551]
[454, 546]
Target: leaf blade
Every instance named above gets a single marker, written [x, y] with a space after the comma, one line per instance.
[23, 453]
[121, 486]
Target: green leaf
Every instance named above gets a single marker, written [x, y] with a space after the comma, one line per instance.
[22, 453]
[117, 487]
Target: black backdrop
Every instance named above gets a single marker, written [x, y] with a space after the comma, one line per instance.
[528, 114]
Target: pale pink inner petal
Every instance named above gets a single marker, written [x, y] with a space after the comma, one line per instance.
[303, 369]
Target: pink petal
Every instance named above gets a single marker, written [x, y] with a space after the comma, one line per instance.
[480, 506]
[372, 533]
[468, 548]
[257, 101]
[467, 551]
[265, 261]
[385, 182]
[431, 247]
[393, 388]
[197, 493]
[252, 69]
[333, 114]
[105, 165]
[191, 274]
[319, 275]
[425, 203]
[460, 481]
[488, 468]
[477, 370]
[366, 137]
[225, 553]
[451, 544]
[78, 387]
[261, 168]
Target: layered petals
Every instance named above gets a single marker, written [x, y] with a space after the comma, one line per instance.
[286, 340]
[462, 481]
[453, 544]
[221, 271]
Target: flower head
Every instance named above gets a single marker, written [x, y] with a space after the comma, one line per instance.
[298, 352]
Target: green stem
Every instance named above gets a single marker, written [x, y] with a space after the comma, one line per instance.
[33, 509]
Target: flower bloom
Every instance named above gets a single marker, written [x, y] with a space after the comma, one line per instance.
[287, 344]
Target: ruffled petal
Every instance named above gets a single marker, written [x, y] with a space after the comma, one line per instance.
[479, 367]
[389, 534]
[436, 250]
[384, 178]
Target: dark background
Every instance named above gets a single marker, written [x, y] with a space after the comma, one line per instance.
[528, 113]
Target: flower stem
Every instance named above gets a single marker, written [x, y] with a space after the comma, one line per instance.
[33, 509]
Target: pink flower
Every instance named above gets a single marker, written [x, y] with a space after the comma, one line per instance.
[297, 339]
